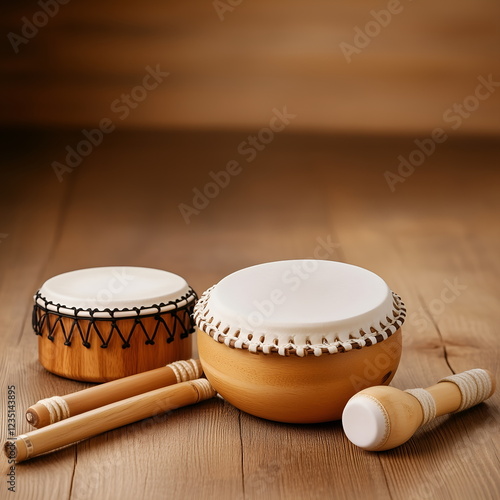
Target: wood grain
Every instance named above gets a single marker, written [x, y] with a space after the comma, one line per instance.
[120, 206]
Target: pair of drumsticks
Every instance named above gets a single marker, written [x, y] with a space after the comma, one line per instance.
[62, 421]
[377, 418]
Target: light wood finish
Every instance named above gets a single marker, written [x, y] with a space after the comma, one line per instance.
[404, 411]
[97, 364]
[447, 396]
[296, 389]
[79, 402]
[120, 207]
[106, 418]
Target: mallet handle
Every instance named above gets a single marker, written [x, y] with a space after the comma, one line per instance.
[455, 393]
[446, 396]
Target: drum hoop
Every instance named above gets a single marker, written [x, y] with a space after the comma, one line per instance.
[209, 325]
[115, 313]
[180, 310]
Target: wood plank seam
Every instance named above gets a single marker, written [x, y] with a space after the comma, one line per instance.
[386, 481]
[423, 304]
[242, 456]
[73, 472]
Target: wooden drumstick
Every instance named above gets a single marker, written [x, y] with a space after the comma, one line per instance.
[380, 418]
[91, 423]
[51, 410]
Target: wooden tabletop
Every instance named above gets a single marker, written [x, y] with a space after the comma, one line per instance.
[431, 234]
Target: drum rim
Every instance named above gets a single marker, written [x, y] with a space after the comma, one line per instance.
[114, 313]
[211, 326]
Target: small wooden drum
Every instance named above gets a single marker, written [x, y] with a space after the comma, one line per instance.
[292, 341]
[104, 323]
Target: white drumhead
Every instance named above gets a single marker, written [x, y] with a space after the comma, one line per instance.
[119, 287]
[297, 304]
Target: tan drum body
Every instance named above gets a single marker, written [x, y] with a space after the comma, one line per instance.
[102, 364]
[296, 389]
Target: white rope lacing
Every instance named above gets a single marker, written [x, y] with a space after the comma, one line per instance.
[426, 402]
[57, 407]
[475, 386]
[186, 370]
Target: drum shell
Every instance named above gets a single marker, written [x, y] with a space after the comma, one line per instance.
[296, 389]
[94, 363]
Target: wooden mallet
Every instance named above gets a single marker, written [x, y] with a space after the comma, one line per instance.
[51, 410]
[380, 418]
[91, 423]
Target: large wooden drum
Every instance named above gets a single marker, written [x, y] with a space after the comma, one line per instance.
[292, 341]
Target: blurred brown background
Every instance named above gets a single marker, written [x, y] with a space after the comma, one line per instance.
[231, 72]
[347, 172]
